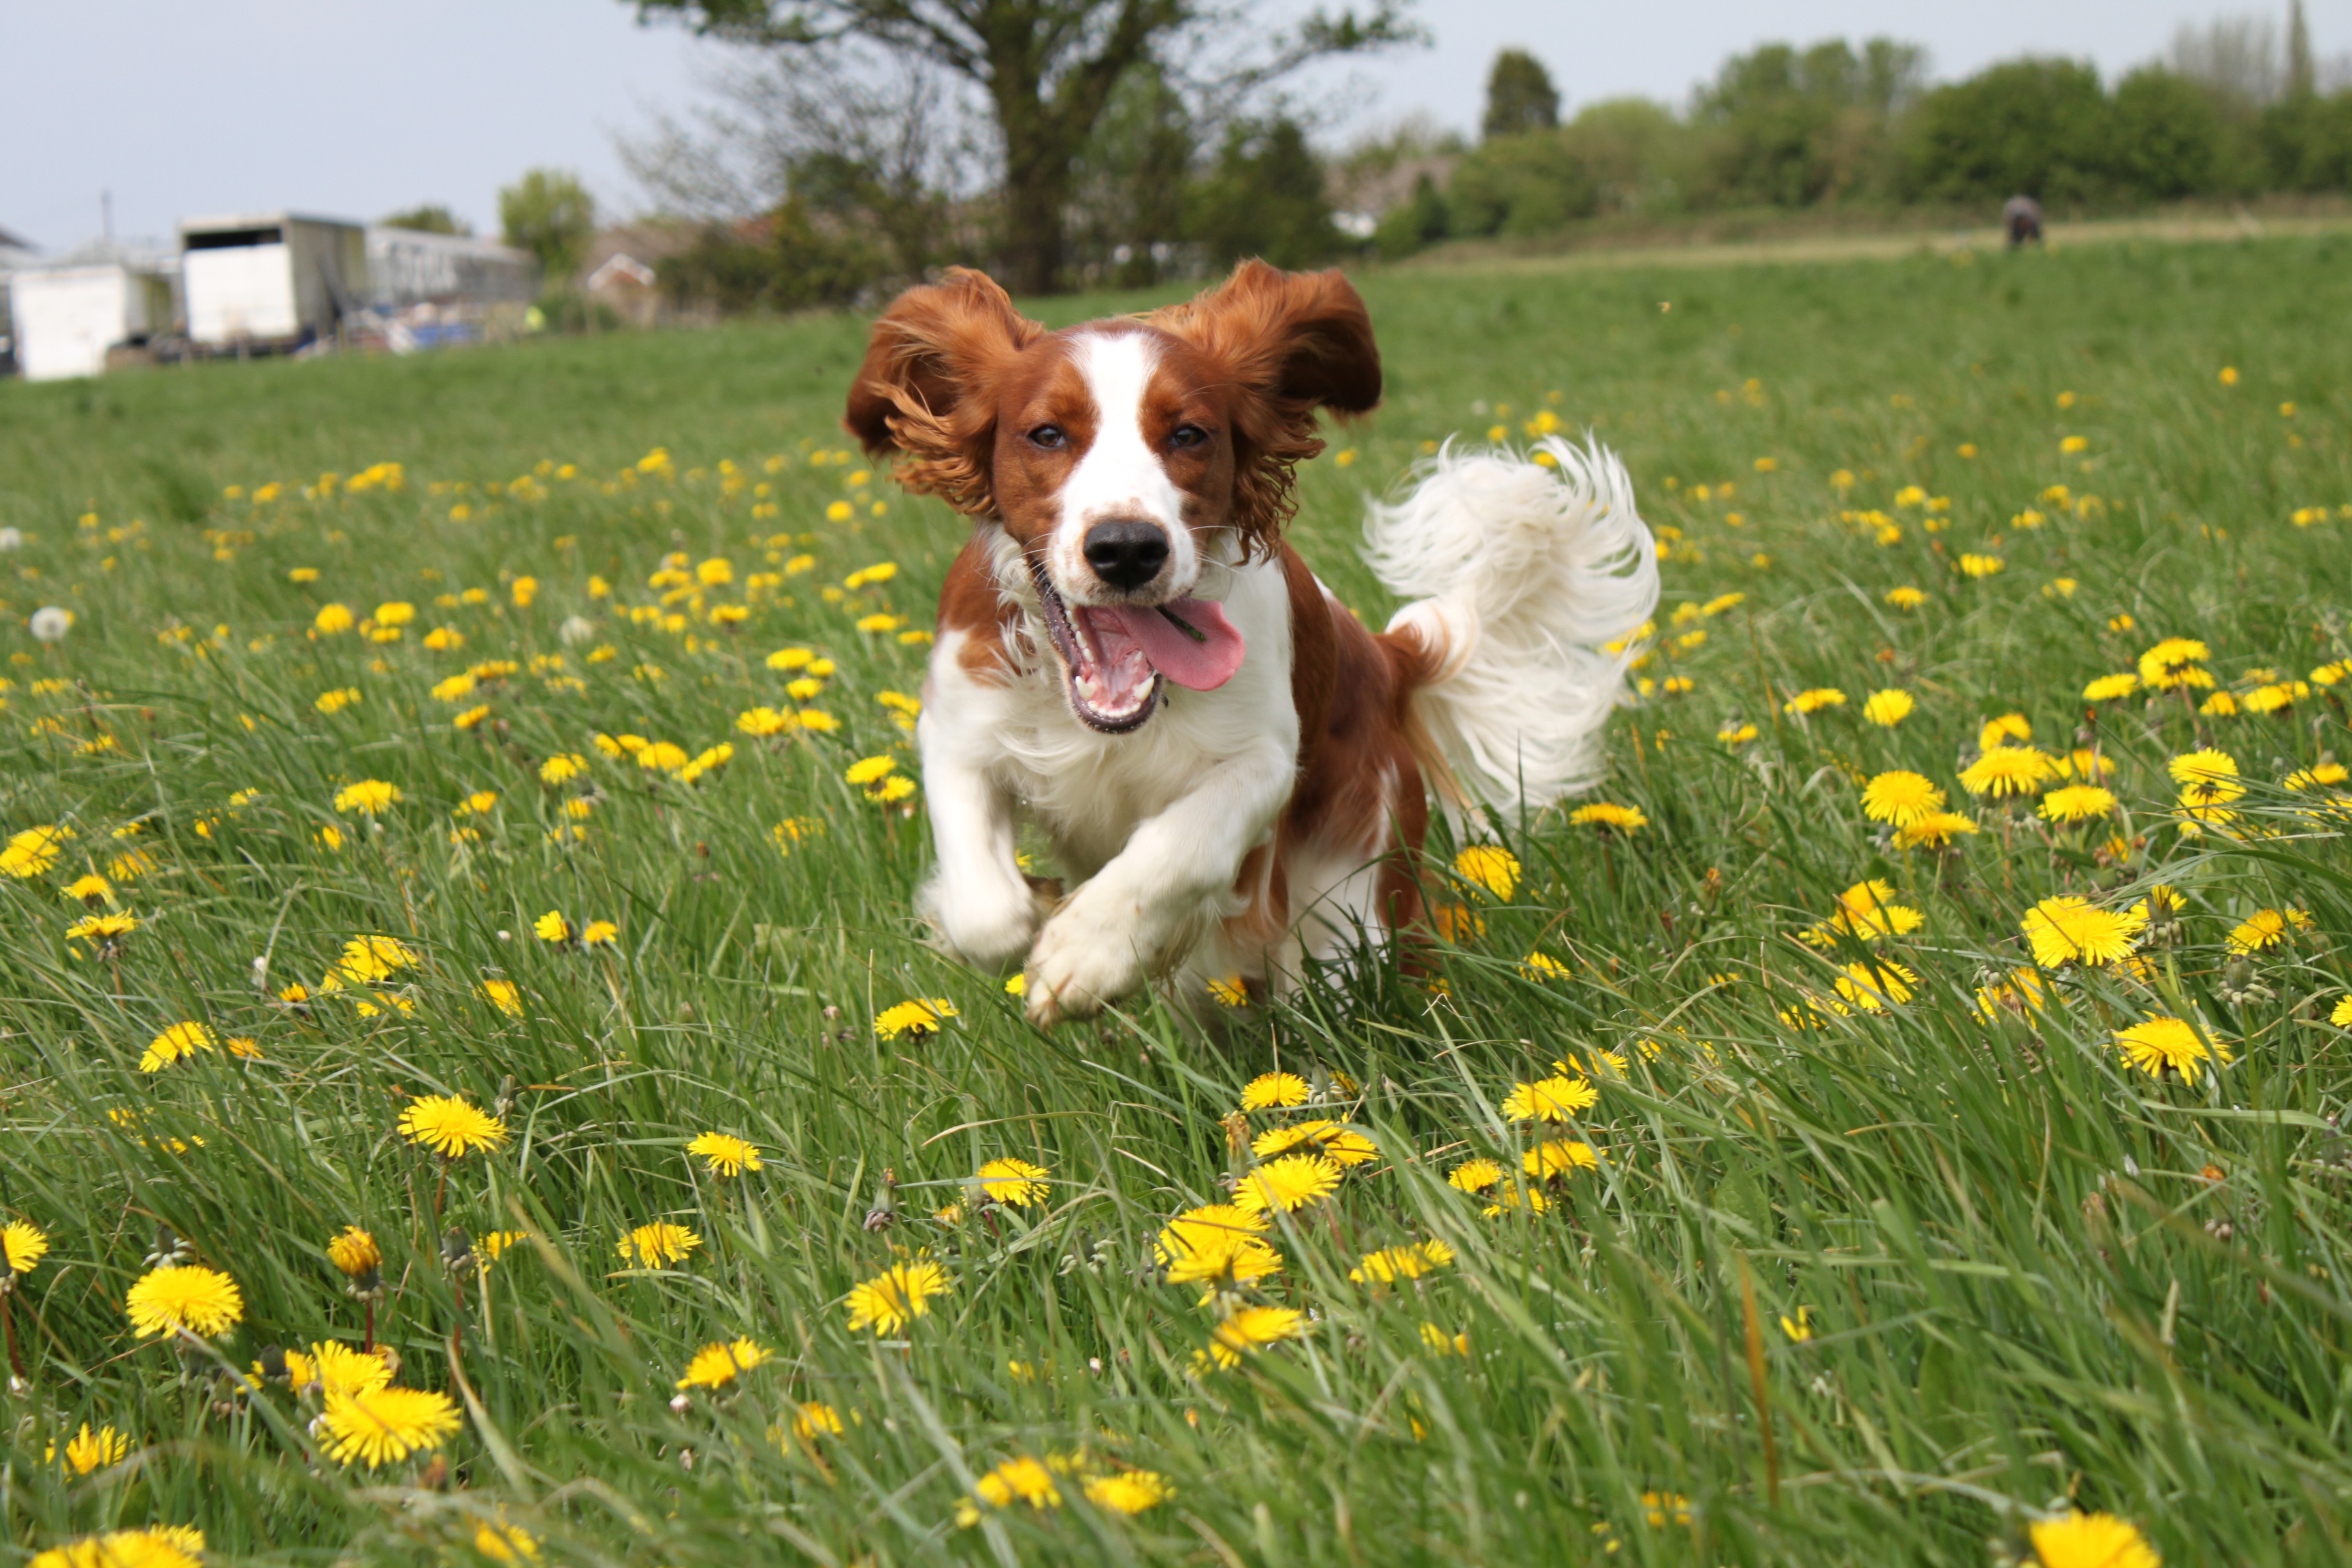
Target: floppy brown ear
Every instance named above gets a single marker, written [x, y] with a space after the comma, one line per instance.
[927, 386]
[1292, 342]
[1302, 337]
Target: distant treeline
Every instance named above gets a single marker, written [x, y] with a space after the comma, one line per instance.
[1789, 128]
[846, 191]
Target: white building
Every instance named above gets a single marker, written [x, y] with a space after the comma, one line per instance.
[271, 280]
[67, 311]
[409, 267]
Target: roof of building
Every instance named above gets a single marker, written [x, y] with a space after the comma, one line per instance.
[217, 221]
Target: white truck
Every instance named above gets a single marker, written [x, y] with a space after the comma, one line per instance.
[270, 282]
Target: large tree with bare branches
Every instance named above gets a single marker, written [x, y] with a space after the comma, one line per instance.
[1047, 69]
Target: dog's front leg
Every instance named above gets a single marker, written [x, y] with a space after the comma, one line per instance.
[1117, 930]
[976, 899]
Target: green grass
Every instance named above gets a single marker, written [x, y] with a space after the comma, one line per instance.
[2032, 1275]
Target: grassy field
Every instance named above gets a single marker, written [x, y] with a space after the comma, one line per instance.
[1856, 1235]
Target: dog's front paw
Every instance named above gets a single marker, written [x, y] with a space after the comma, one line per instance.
[989, 930]
[1081, 965]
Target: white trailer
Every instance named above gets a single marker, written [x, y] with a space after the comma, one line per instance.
[68, 313]
[270, 281]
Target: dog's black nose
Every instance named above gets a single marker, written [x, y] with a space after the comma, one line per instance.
[1125, 555]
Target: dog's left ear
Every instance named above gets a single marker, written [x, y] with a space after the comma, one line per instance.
[1303, 338]
[1290, 343]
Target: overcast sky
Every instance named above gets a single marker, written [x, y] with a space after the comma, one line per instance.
[359, 107]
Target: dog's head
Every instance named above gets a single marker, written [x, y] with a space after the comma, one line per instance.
[1129, 461]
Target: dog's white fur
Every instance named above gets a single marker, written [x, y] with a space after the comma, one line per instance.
[1523, 568]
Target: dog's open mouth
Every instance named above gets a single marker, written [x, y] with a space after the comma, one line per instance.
[1114, 655]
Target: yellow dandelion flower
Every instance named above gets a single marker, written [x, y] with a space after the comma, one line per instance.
[1344, 1147]
[600, 933]
[1206, 1228]
[725, 1154]
[2266, 928]
[1274, 1090]
[201, 1301]
[368, 960]
[382, 1426]
[1608, 818]
[25, 1246]
[369, 797]
[175, 1044]
[449, 1126]
[1512, 1198]
[1558, 1158]
[1015, 1480]
[2077, 803]
[658, 1244]
[1888, 707]
[503, 994]
[552, 926]
[1252, 1329]
[1550, 1100]
[1014, 1182]
[2009, 771]
[895, 1298]
[1874, 988]
[1901, 797]
[2111, 687]
[913, 1019]
[2341, 1018]
[339, 1368]
[1393, 1262]
[2160, 1044]
[2175, 662]
[174, 1546]
[1814, 700]
[1222, 1259]
[1289, 1183]
[88, 1450]
[716, 1365]
[1936, 831]
[355, 1252]
[1475, 1175]
[2094, 1540]
[814, 1419]
[1128, 1491]
[1490, 866]
[2068, 930]
[1905, 598]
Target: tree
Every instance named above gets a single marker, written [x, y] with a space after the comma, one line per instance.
[1266, 198]
[550, 214]
[2031, 127]
[2299, 82]
[430, 218]
[1047, 69]
[1520, 96]
[1791, 127]
[1133, 177]
[2166, 134]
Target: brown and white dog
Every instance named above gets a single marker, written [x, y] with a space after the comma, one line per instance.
[1232, 771]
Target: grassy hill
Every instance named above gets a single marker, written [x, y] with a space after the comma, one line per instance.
[1765, 1183]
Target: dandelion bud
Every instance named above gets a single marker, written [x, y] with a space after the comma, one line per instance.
[456, 1250]
[885, 1212]
[272, 1364]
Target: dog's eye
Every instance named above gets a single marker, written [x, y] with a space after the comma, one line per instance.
[1049, 435]
[1185, 436]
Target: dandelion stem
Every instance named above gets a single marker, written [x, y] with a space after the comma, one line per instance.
[8, 1327]
[367, 1336]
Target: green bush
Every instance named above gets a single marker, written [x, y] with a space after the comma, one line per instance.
[2165, 132]
[1421, 219]
[1265, 198]
[1520, 185]
[2034, 127]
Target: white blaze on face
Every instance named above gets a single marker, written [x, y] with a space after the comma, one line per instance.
[1119, 477]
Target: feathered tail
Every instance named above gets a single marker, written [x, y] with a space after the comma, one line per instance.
[1521, 571]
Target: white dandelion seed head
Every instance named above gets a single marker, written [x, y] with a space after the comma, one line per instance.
[576, 630]
[12, 539]
[50, 623]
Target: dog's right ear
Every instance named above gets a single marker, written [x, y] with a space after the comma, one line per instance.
[928, 388]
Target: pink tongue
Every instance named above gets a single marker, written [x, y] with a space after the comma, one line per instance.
[1203, 666]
